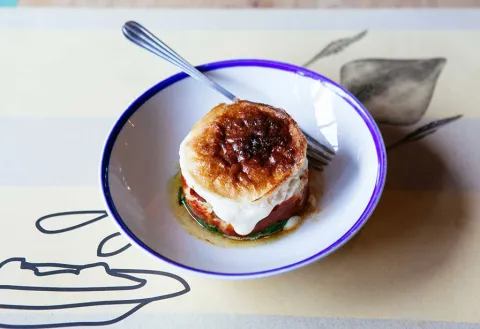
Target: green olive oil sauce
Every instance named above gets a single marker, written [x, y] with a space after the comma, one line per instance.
[193, 228]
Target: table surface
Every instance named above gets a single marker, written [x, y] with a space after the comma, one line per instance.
[68, 73]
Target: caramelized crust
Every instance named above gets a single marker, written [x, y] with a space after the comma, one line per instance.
[245, 150]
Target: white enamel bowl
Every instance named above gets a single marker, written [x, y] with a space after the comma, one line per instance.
[141, 156]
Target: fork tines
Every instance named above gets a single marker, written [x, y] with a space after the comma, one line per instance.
[318, 154]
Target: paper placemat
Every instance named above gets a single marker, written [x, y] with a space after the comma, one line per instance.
[63, 88]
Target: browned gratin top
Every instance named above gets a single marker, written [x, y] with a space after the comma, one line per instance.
[245, 149]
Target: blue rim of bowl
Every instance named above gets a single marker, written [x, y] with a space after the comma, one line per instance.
[346, 95]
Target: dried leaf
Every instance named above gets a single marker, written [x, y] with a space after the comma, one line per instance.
[335, 47]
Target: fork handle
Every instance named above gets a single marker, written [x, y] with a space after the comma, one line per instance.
[142, 37]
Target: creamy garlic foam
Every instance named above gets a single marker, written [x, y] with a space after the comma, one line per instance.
[243, 215]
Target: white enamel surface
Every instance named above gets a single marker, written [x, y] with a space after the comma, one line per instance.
[145, 157]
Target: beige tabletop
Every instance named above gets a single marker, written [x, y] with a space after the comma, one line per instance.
[66, 75]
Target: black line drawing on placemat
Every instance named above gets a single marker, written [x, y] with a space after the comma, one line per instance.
[336, 47]
[423, 131]
[40, 225]
[126, 288]
[395, 91]
[62, 222]
[101, 246]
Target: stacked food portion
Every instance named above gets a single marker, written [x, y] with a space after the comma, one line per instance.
[244, 170]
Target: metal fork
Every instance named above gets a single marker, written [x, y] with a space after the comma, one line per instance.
[318, 154]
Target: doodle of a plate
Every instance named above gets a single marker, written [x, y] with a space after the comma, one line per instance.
[62, 295]
[141, 156]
